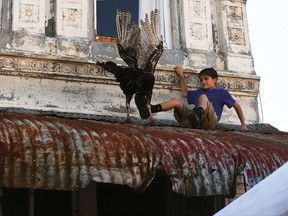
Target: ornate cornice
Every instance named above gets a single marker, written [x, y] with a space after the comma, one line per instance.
[239, 85]
[88, 72]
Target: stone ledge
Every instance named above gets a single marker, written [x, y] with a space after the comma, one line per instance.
[88, 72]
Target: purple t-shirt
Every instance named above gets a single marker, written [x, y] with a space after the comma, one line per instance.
[218, 97]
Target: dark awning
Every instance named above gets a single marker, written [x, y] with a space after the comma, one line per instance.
[59, 153]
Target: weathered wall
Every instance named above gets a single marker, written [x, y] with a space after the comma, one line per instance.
[48, 54]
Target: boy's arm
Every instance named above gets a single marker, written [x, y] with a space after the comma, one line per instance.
[240, 114]
[184, 89]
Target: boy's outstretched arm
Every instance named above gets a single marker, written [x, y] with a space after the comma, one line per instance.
[240, 114]
[180, 71]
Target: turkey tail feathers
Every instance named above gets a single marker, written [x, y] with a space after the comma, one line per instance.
[128, 38]
[140, 49]
[151, 45]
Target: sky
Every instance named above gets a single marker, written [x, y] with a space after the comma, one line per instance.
[268, 32]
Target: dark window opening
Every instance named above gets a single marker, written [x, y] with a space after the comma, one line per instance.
[25, 202]
[106, 15]
[52, 202]
[50, 28]
[14, 202]
[157, 199]
[102, 199]
[50, 25]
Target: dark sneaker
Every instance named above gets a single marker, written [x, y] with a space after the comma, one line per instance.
[195, 117]
[141, 104]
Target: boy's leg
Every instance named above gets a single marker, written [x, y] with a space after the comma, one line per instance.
[209, 119]
[202, 101]
[180, 110]
[172, 104]
[195, 115]
[168, 105]
[182, 116]
[204, 115]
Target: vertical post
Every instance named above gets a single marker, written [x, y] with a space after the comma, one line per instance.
[84, 201]
[5, 15]
[175, 31]
[165, 10]
[1, 198]
[31, 202]
[95, 16]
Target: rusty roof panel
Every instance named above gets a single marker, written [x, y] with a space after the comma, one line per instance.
[59, 153]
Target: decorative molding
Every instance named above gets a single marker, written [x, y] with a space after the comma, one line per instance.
[198, 31]
[72, 17]
[66, 70]
[236, 46]
[29, 15]
[238, 84]
[235, 25]
[36, 67]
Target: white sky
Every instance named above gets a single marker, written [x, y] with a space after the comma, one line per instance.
[268, 31]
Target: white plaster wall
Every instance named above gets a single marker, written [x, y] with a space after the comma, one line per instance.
[60, 96]
[98, 99]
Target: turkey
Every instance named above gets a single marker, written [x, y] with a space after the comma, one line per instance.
[140, 48]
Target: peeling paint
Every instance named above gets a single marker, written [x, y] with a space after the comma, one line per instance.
[7, 96]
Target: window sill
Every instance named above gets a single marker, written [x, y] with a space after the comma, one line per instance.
[106, 40]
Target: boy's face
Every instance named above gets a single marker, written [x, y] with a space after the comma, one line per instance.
[207, 82]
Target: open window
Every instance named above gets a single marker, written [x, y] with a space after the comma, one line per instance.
[105, 13]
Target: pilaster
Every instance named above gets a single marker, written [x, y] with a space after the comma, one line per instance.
[234, 35]
[6, 15]
[74, 18]
[197, 33]
[198, 27]
[29, 15]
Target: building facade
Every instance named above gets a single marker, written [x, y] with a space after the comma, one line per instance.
[49, 48]
[49, 83]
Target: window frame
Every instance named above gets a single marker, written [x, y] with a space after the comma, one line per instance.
[145, 6]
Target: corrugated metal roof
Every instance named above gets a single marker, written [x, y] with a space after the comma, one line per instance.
[59, 153]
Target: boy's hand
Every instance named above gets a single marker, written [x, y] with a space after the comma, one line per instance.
[244, 128]
[179, 70]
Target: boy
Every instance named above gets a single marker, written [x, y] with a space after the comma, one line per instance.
[208, 101]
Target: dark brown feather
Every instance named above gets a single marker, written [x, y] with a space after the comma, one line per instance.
[141, 49]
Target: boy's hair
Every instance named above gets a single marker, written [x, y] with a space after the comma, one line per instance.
[209, 72]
